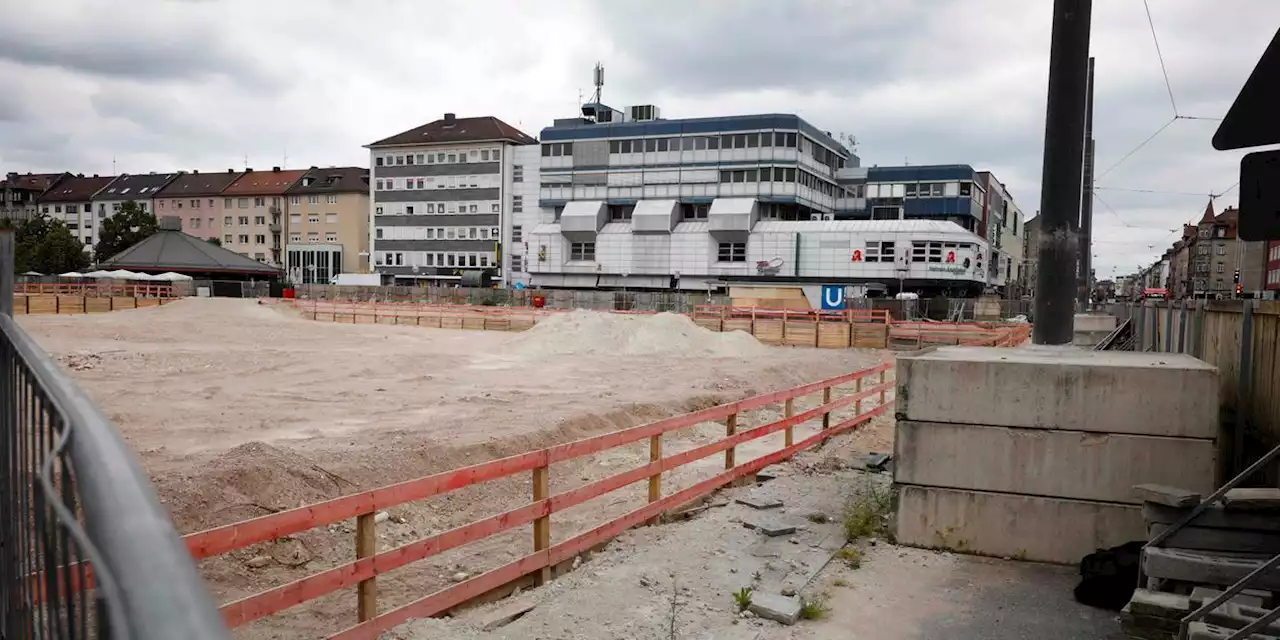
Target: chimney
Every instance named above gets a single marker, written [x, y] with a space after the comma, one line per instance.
[231, 170]
[79, 175]
[95, 175]
[450, 117]
[170, 223]
[195, 171]
[275, 169]
[248, 169]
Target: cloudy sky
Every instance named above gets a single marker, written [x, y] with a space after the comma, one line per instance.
[151, 85]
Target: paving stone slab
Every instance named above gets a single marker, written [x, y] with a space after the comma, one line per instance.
[1153, 623]
[505, 615]
[1252, 499]
[1214, 517]
[1166, 495]
[1237, 616]
[1212, 539]
[1158, 603]
[775, 607]
[1204, 567]
[1201, 595]
[771, 528]
[1203, 631]
[759, 502]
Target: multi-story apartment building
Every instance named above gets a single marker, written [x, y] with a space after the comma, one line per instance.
[70, 200]
[1219, 257]
[1030, 255]
[1272, 269]
[252, 210]
[19, 193]
[327, 224]
[1001, 224]
[140, 189]
[193, 198]
[524, 215]
[439, 196]
[627, 200]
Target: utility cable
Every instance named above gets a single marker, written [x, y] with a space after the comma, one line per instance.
[1137, 148]
[1160, 56]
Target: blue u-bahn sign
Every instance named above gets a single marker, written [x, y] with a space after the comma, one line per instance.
[832, 297]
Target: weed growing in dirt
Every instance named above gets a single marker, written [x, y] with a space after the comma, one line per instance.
[851, 557]
[742, 598]
[814, 607]
[839, 582]
[867, 513]
[675, 609]
[818, 518]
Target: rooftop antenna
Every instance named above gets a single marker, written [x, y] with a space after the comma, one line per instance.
[113, 164]
[598, 79]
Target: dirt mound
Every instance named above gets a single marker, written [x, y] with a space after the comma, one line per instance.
[250, 480]
[591, 332]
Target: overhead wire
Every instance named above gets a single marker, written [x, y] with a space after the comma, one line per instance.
[1159, 55]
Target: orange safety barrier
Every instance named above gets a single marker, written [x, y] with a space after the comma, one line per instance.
[961, 333]
[421, 314]
[137, 290]
[724, 312]
[363, 506]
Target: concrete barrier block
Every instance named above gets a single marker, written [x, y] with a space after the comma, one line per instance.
[1065, 388]
[1043, 462]
[1204, 567]
[1057, 530]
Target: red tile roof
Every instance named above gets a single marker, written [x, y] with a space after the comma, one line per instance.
[198, 184]
[264, 183]
[32, 181]
[451, 129]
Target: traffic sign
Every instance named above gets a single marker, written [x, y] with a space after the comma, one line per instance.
[832, 297]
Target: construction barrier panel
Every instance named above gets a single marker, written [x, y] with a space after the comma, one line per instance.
[42, 304]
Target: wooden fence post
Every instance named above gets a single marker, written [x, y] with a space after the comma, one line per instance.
[826, 415]
[542, 526]
[882, 379]
[857, 406]
[367, 545]
[788, 410]
[730, 428]
[655, 480]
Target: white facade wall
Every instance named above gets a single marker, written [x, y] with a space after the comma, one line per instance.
[516, 257]
[837, 250]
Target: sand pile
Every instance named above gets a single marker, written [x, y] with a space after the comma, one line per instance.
[591, 332]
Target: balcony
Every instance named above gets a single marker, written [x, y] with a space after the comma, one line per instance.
[274, 227]
[274, 210]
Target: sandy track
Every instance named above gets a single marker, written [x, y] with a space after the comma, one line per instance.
[239, 409]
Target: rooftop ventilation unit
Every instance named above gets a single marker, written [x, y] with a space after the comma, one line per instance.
[644, 112]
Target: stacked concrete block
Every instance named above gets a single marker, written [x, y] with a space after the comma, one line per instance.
[1033, 453]
[1091, 328]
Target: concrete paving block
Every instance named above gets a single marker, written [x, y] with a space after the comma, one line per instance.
[1033, 528]
[1204, 567]
[505, 615]
[1058, 388]
[759, 502]
[1166, 495]
[1256, 499]
[1237, 616]
[1047, 462]
[1214, 517]
[775, 607]
[1204, 631]
[1160, 604]
[1201, 595]
[1209, 539]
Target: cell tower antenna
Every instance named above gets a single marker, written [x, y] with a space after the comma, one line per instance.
[598, 79]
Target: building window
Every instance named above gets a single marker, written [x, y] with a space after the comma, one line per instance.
[330, 237]
[879, 252]
[244, 238]
[517, 233]
[313, 236]
[195, 223]
[517, 263]
[260, 239]
[333, 198]
[378, 161]
[1222, 249]
[484, 155]
[313, 199]
[517, 173]
[517, 204]
[732, 252]
[966, 188]
[313, 218]
[227, 238]
[295, 200]
[258, 202]
[621, 212]
[242, 203]
[259, 220]
[1221, 267]
[331, 218]
[689, 211]
[295, 218]
[473, 208]
[243, 220]
[582, 251]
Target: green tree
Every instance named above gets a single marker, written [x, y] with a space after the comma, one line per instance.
[214, 241]
[125, 228]
[47, 246]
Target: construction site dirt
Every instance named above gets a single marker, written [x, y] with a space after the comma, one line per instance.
[238, 409]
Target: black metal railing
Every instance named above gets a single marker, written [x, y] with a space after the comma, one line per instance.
[86, 550]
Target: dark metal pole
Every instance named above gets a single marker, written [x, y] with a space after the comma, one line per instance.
[1086, 203]
[1060, 183]
[7, 268]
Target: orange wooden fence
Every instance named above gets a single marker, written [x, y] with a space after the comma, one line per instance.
[121, 289]
[440, 316]
[959, 333]
[364, 506]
